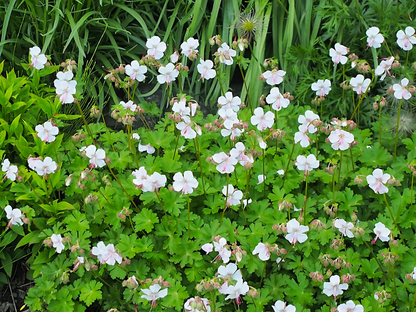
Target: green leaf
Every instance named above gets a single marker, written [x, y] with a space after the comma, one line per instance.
[7, 263]
[145, 220]
[8, 238]
[128, 245]
[14, 125]
[31, 238]
[91, 292]
[375, 156]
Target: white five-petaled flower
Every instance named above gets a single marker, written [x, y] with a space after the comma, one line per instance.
[344, 227]
[263, 251]
[226, 54]
[229, 272]
[400, 90]
[205, 68]
[57, 242]
[350, 307]
[184, 183]
[37, 60]
[155, 47]
[228, 101]
[360, 85]
[223, 252]
[47, 132]
[146, 148]
[10, 170]
[185, 126]
[181, 108]
[235, 291]
[262, 120]
[229, 117]
[96, 156]
[338, 54]
[208, 247]
[153, 293]
[129, 105]
[322, 87]
[136, 71]
[234, 196]
[280, 306]
[374, 38]
[406, 38]
[302, 137]
[295, 232]
[333, 287]
[225, 163]
[174, 57]
[383, 68]
[140, 176]
[308, 120]
[66, 90]
[189, 47]
[168, 74]
[277, 99]
[340, 139]
[238, 153]
[377, 180]
[381, 232]
[45, 167]
[106, 254]
[154, 182]
[14, 215]
[274, 77]
[307, 163]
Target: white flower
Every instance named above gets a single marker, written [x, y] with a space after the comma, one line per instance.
[344, 227]
[238, 153]
[277, 100]
[232, 132]
[181, 108]
[295, 232]
[140, 176]
[263, 251]
[47, 166]
[302, 137]
[321, 87]
[360, 85]
[280, 172]
[333, 287]
[229, 272]
[146, 148]
[57, 242]
[65, 90]
[383, 68]
[374, 38]
[381, 232]
[208, 247]
[229, 117]
[189, 46]
[96, 156]
[225, 163]
[350, 307]
[37, 60]
[14, 215]
[185, 127]
[307, 163]
[106, 254]
[400, 90]
[47, 132]
[246, 202]
[338, 54]
[205, 68]
[174, 57]
[10, 170]
[226, 54]
[129, 105]
[234, 196]
[154, 182]
[136, 71]
[261, 119]
[261, 178]
[154, 293]
[235, 291]
[63, 76]
[184, 183]
[228, 101]
[155, 47]
[223, 252]
[308, 120]
[168, 74]
[340, 139]
[280, 306]
[377, 180]
[274, 77]
[406, 39]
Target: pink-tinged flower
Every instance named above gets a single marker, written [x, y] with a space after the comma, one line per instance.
[185, 127]
[197, 304]
[14, 215]
[232, 132]
[111, 257]
[344, 227]
[136, 71]
[189, 46]
[400, 90]
[63, 76]
[155, 47]
[234, 196]
[154, 182]
[237, 290]
[302, 137]
[277, 99]
[338, 54]
[374, 38]
[262, 144]
[229, 272]
[350, 307]
[333, 287]
[225, 163]
[174, 57]
[377, 180]
[57, 242]
[153, 293]
[146, 148]
[228, 101]
[96, 156]
[37, 60]
[10, 170]
[308, 120]
[181, 108]
[238, 153]
[340, 139]
[66, 90]
[205, 68]
[223, 252]
[295, 232]
[226, 54]
[274, 77]
[263, 251]
[47, 132]
[140, 176]
[381, 232]
[45, 167]
[184, 183]
[129, 105]
[261, 119]
[208, 247]
[360, 85]
[307, 163]
[321, 87]
[229, 117]
[280, 306]
[383, 68]
[168, 74]
[406, 38]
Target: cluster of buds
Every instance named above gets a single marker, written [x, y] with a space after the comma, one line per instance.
[393, 182]
[318, 100]
[131, 283]
[208, 285]
[285, 205]
[241, 44]
[197, 304]
[270, 64]
[69, 65]
[388, 257]
[64, 278]
[346, 278]
[382, 296]
[262, 99]
[123, 213]
[331, 210]
[95, 111]
[77, 248]
[215, 40]
[150, 61]
[337, 243]
[358, 231]
[91, 198]
[363, 66]
[211, 126]
[359, 180]
[354, 59]
[316, 276]
[379, 102]
[280, 228]
[113, 75]
[238, 252]
[331, 167]
[277, 133]
[317, 224]
[78, 136]
[125, 117]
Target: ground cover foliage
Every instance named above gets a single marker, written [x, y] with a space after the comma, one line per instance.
[295, 194]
